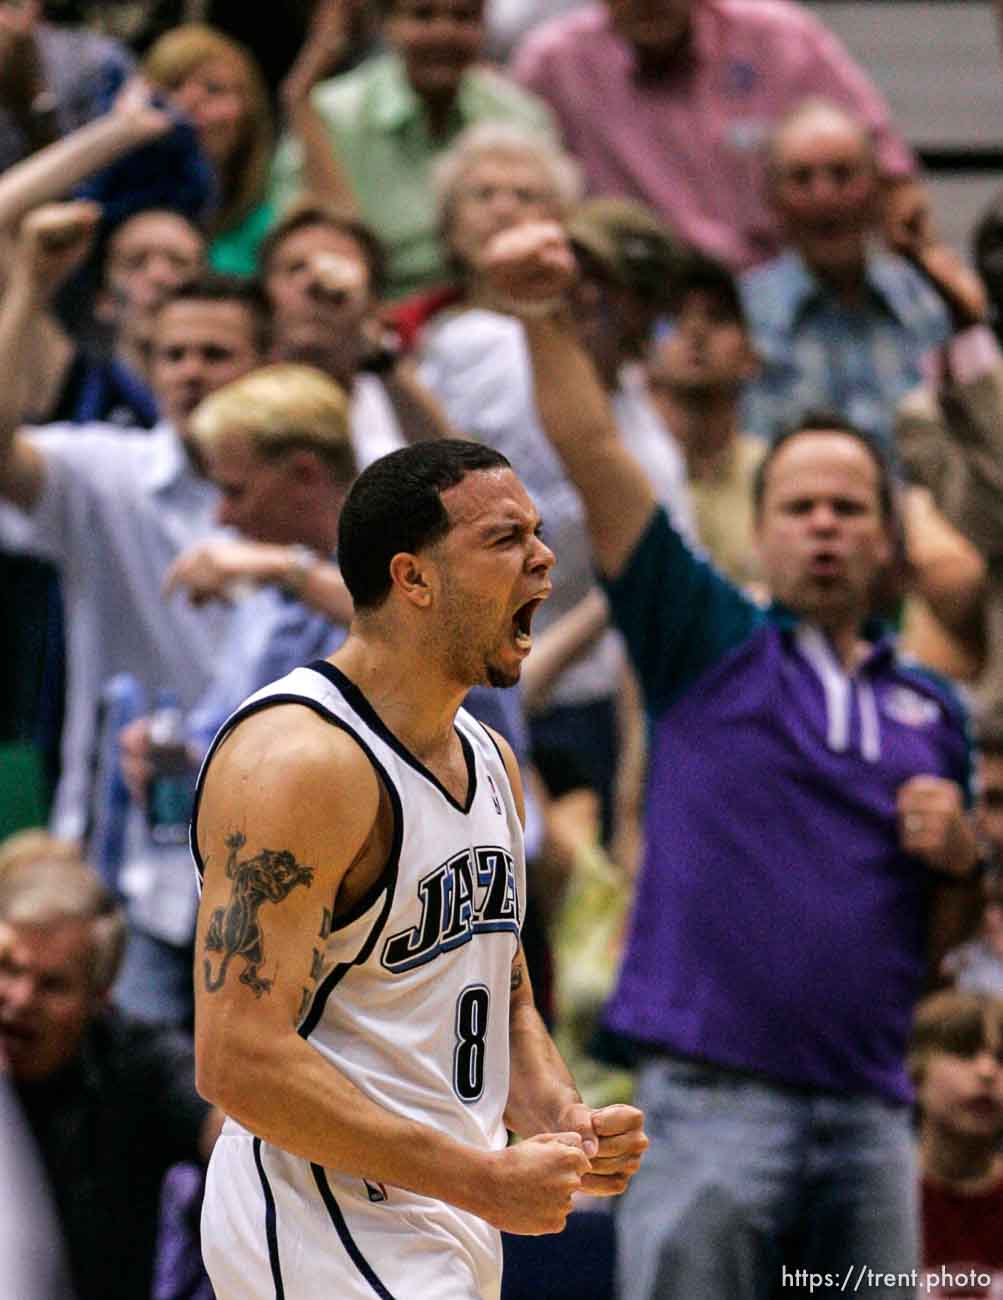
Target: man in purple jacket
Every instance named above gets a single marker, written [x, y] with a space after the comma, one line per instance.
[806, 802]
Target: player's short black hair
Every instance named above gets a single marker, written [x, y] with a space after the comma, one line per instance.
[826, 421]
[396, 505]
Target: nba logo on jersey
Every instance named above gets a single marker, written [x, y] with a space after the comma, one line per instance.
[494, 795]
[376, 1192]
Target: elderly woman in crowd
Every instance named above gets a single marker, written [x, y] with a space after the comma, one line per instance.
[475, 360]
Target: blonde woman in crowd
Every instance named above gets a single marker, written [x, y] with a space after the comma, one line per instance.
[217, 84]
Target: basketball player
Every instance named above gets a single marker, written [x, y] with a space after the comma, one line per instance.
[362, 1008]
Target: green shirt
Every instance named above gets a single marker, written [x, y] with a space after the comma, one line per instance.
[235, 252]
[380, 135]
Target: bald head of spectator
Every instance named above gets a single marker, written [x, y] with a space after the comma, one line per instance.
[61, 941]
[498, 175]
[825, 562]
[823, 183]
[205, 334]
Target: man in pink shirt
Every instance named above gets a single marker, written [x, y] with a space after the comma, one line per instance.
[671, 101]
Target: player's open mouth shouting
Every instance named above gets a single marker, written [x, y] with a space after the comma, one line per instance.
[522, 621]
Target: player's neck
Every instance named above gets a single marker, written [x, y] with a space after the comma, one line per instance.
[411, 698]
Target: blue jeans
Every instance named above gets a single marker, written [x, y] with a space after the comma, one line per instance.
[747, 1183]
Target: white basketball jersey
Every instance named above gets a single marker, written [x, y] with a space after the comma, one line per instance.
[412, 998]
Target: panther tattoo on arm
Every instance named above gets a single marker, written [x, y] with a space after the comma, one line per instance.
[234, 930]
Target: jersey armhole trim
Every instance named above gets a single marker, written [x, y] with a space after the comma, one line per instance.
[354, 697]
[386, 881]
[494, 742]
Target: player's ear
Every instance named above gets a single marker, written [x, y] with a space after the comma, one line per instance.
[409, 574]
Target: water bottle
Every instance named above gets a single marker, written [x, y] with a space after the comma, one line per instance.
[122, 700]
[172, 785]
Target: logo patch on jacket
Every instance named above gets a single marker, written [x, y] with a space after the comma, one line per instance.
[909, 707]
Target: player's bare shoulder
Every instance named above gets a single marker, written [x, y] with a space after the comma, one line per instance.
[287, 773]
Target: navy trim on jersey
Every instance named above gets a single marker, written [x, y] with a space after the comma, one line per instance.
[365, 710]
[271, 1229]
[497, 748]
[385, 883]
[347, 1240]
[226, 730]
[373, 892]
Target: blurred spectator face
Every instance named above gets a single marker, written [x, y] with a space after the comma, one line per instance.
[961, 1093]
[437, 40]
[46, 995]
[498, 191]
[825, 190]
[197, 347]
[214, 97]
[604, 315]
[822, 539]
[990, 805]
[614, 323]
[261, 496]
[317, 282]
[148, 256]
[650, 24]
[705, 353]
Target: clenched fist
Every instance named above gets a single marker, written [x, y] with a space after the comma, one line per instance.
[531, 1186]
[529, 264]
[614, 1140]
[53, 240]
[934, 826]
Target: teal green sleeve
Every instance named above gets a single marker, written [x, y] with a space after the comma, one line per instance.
[235, 252]
[677, 614]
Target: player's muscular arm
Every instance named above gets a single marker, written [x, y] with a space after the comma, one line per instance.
[541, 1087]
[542, 1094]
[289, 807]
